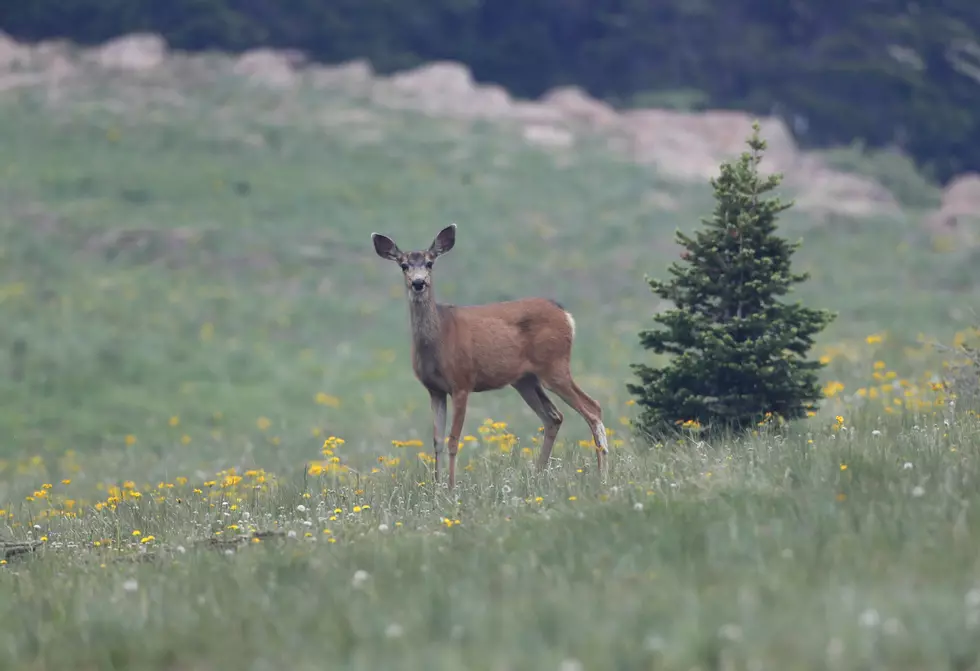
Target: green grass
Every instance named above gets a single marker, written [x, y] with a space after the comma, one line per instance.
[186, 268]
[852, 551]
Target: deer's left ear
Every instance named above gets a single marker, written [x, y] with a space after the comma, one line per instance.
[444, 241]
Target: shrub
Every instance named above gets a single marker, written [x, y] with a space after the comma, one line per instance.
[739, 353]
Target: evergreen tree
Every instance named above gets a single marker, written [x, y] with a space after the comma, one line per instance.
[739, 353]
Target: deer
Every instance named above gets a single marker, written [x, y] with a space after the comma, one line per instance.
[461, 350]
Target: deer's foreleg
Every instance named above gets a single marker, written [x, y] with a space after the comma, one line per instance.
[438, 402]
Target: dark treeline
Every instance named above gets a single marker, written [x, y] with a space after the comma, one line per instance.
[884, 72]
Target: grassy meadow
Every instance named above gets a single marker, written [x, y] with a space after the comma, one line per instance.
[214, 453]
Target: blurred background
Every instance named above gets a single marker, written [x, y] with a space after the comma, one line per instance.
[882, 73]
[188, 189]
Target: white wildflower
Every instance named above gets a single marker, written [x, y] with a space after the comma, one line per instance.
[869, 618]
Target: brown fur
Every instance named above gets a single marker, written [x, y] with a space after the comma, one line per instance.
[459, 350]
[487, 347]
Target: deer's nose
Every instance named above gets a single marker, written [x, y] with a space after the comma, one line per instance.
[418, 285]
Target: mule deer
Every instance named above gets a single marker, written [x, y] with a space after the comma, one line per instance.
[459, 350]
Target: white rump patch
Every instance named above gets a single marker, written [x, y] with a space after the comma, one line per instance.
[600, 429]
[571, 322]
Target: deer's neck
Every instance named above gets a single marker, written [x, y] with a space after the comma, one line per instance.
[427, 343]
[426, 325]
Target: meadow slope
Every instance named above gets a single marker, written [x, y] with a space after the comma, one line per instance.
[215, 454]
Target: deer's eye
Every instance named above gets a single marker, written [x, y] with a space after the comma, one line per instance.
[428, 264]
[404, 266]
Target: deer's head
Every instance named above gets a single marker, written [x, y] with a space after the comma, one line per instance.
[416, 266]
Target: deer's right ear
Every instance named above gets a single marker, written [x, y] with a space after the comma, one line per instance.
[385, 247]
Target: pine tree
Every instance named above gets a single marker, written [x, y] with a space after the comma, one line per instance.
[739, 353]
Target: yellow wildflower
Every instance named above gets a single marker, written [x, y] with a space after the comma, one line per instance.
[327, 400]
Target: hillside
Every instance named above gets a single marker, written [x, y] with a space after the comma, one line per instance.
[188, 236]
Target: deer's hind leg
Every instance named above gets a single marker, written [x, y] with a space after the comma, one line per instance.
[460, 398]
[560, 381]
[530, 389]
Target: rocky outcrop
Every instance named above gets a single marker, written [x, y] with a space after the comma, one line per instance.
[268, 67]
[135, 53]
[685, 146]
[958, 216]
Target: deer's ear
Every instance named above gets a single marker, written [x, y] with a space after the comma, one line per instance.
[444, 241]
[385, 247]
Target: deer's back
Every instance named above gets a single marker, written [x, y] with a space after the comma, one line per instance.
[504, 341]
